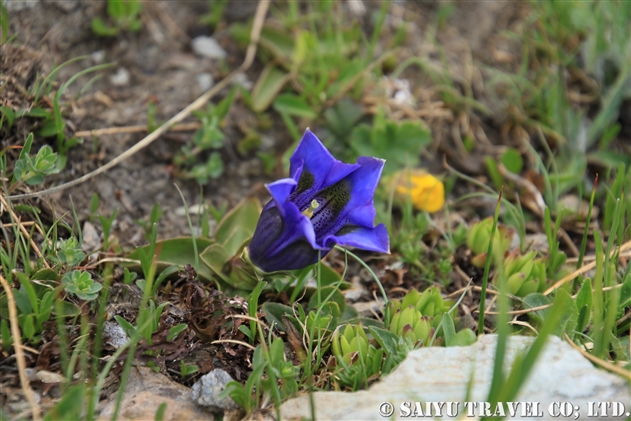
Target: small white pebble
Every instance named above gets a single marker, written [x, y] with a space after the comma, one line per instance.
[208, 47]
[121, 77]
[205, 81]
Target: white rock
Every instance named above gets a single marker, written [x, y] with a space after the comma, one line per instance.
[357, 7]
[561, 374]
[208, 47]
[114, 334]
[19, 5]
[242, 79]
[205, 81]
[121, 77]
[98, 56]
[208, 388]
[146, 391]
[91, 239]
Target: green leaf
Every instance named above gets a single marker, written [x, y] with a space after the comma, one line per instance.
[268, 85]
[327, 294]
[68, 309]
[22, 301]
[449, 329]
[400, 144]
[125, 325]
[274, 313]
[161, 411]
[5, 334]
[342, 117]
[30, 291]
[294, 105]
[584, 301]
[27, 146]
[176, 330]
[277, 42]
[99, 27]
[214, 166]
[512, 160]
[387, 340]
[230, 269]
[625, 293]
[177, 251]
[37, 112]
[238, 225]
[221, 110]
[569, 313]
[494, 172]
[70, 407]
[536, 300]
[28, 326]
[116, 8]
[8, 114]
[465, 337]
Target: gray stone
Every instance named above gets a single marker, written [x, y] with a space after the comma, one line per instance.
[91, 239]
[19, 5]
[242, 79]
[205, 81]
[121, 77]
[207, 389]
[146, 391]
[114, 334]
[208, 47]
[434, 374]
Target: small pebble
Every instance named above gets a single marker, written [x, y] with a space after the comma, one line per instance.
[115, 334]
[98, 56]
[242, 79]
[91, 240]
[207, 389]
[121, 77]
[207, 47]
[205, 81]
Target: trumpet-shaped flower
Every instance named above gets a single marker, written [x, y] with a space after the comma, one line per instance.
[324, 202]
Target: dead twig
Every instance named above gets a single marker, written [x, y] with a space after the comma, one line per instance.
[257, 26]
[605, 364]
[234, 341]
[583, 269]
[19, 352]
[184, 127]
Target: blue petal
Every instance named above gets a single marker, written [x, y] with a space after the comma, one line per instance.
[371, 239]
[280, 191]
[363, 216]
[314, 168]
[348, 202]
[364, 181]
[283, 242]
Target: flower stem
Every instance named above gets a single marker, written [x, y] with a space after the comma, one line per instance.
[487, 265]
[361, 262]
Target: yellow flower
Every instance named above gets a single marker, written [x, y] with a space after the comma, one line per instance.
[426, 192]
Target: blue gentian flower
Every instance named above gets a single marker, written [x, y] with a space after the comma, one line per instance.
[324, 202]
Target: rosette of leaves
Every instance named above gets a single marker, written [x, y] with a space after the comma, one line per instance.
[478, 241]
[356, 357]
[429, 303]
[431, 308]
[524, 275]
[81, 284]
[69, 251]
[33, 170]
[410, 324]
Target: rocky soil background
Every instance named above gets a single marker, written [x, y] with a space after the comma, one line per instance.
[165, 66]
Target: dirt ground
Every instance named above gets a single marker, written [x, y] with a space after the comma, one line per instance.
[157, 65]
[162, 68]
